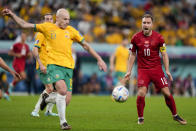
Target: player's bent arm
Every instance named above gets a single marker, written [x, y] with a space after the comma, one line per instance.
[165, 60]
[36, 55]
[86, 46]
[12, 53]
[101, 63]
[5, 66]
[18, 20]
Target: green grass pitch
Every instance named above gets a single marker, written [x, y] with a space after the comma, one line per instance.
[100, 113]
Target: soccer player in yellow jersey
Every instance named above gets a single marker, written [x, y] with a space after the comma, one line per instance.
[39, 49]
[59, 38]
[119, 60]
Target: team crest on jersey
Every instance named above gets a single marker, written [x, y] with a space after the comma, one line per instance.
[67, 34]
[146, 43]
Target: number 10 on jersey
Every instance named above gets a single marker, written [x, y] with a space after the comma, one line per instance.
[147, 52]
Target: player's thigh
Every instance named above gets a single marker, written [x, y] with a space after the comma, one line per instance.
[61, 87]
[159, 79]
[68, 97]
[68, 74]
[143, 78]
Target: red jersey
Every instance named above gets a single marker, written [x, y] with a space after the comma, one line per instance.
[22, 49]
[147, 48]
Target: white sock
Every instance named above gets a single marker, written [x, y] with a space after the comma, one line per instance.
[49, 107]
[37, 106]
[61, 107]
[52, 98]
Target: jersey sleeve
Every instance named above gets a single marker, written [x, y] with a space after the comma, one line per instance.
[77, 36]
[132, 47]
[162, 44]
[39, 38]
[40, 27]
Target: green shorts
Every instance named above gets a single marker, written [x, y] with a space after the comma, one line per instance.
[119, 74]
[56, 73]
[43, 77]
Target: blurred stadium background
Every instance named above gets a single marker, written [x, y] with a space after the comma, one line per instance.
[104, 24]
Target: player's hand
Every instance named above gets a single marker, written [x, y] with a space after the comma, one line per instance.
[127, 76]
[122, 81]
[43, 69]
[102, 65]
[16, 75]
[169, 75]
[7, 12]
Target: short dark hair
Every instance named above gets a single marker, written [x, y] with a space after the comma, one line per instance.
[147, 16]
[43, 17]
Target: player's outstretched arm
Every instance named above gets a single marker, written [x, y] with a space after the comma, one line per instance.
[6, 67]
[166, 65]
[18, 20]
[36, 56]
[100, 62]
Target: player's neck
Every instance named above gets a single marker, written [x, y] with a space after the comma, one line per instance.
[57, 24]
[149, 34]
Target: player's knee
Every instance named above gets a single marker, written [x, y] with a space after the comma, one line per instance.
[49, 88]
[62, 91]
[142, 92]
[166, 92]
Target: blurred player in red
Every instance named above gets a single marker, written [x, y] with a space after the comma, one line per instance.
[148, 44]
[21, 52]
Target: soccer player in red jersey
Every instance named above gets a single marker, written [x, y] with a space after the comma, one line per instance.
[148, 44]
[21, 52]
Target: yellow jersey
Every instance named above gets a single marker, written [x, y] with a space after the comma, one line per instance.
[40, 43]
[59, 42]
[122, 55]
